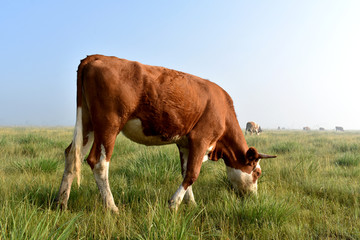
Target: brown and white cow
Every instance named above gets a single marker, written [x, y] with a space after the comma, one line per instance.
[253, 127]
[154, 106]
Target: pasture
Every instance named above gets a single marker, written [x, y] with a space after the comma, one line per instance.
[310, 191]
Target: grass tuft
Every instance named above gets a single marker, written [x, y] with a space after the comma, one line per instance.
[284, 147]
[21, 220]
[348, 160]
[263, 211]
[36, 165]
[346, 147]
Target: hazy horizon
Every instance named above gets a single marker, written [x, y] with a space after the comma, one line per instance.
[285, 64]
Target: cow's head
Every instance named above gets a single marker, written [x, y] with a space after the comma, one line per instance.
[260, 130]
[245, 179]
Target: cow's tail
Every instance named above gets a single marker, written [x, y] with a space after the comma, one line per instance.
[77, 145]
[76, 151]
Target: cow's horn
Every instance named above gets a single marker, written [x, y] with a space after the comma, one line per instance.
[261, 155]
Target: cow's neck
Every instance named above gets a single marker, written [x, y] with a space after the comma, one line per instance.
[231, 147]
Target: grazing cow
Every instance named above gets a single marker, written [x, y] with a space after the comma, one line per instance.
[252, 127]
[337, 128]
[322, 129]
[306, 128]
[155, 106]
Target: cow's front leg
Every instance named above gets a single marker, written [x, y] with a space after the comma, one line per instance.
[177, 198]
[183, 192]
[195, 157]
[189, 195]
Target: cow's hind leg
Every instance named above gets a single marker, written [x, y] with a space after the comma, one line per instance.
[67, 179]
[74, 153]
[99, 160]
[69, 173]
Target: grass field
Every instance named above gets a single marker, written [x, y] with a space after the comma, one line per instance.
[310, 191]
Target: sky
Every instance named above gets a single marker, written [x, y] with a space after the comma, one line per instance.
[284, 63]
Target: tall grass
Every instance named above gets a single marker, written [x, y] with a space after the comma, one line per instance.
[22, 220]
[310, 191]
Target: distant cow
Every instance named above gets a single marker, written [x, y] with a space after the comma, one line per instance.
[337, 128]
[155, 106]
[322, 129]
[306, 128]
[253, 127]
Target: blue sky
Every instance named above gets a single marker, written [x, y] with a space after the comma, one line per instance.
[285, 63]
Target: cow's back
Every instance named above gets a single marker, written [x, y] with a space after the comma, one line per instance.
[167, 102]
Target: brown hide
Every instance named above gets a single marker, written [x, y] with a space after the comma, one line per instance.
[169, 104]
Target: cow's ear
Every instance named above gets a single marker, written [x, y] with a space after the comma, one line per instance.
[252, 154]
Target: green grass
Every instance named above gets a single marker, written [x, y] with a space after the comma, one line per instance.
[310, 191]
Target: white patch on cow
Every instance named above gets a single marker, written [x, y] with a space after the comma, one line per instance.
[177, 198]
[134, 131]
[206, 157]
[241, 181]
[103, 153]
[90, 140]
[189, 196]
[101, 174]
[258, 164]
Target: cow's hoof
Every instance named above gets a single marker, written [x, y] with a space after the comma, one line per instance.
[62, 207]
[190, 202]
[114, 209]
[173, 206]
